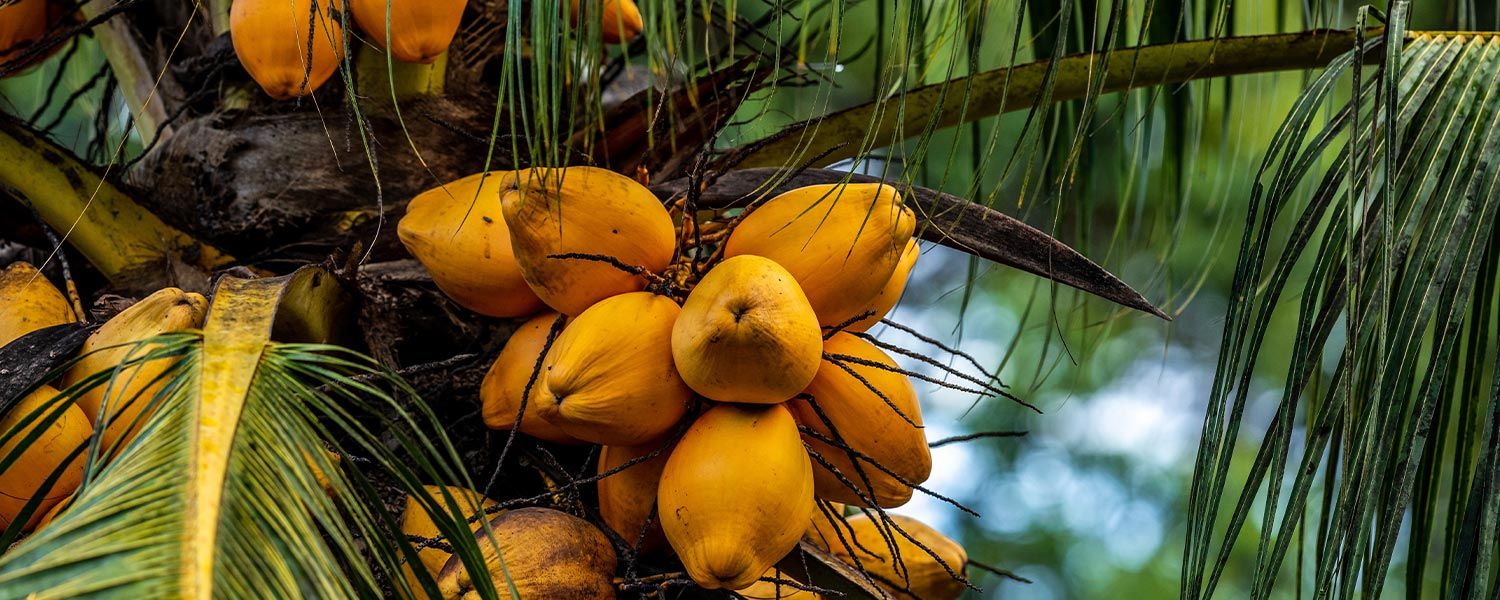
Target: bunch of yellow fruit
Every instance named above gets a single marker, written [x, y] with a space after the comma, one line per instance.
[729, 382]
[292, 47]
[48, 434]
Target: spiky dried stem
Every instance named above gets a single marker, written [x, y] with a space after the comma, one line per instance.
[871, 387]
[929, 379]
[928, 360]
[536, 371]
[975, 436]
[862, 457]
[849, 322]
[998, 571]
[940, 345]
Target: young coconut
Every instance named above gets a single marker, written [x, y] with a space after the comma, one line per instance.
[891, 293]
[747, 334]
[736, 494]
[417, 522]
[420, 29]
[548, 554]
[133, 388]
[457, 232]
[610, 377]
[884, 426]
[923, 577]
[584, 211]
[23, 479]
[627, 497]
[841, 242]
[271, 38]
[619, 20]
[500, 393]
[29, 302]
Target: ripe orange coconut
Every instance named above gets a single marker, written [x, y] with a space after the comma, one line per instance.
[69, 430]
[919, 576]
[619, 20]
[841, 242]
[28, 302]
[123, 402]
[457, 231]
[500, 393]
[272, 39]
[610, 377]
[627, 497]
[886, 430]
[891, 293]
[584, 211]
[747, 334]
[736, 494]
[420, 30]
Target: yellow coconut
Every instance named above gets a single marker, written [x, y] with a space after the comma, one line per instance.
[271, 39]
[886, 430]
[547, 553]
[610, 377]
[841, 242]
[923, 576]
[584, 210]
[747, 334]
[420, 31]
[416, 521]
[24, 479]
[736, 494]
[457, 232]
[891, 293]
[500, 393]
[28, 302]
[619, 20]
[627, 497]
[134, 388]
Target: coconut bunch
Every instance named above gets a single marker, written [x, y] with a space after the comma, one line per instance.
[723, 366]
[292, 47]
[114, 410]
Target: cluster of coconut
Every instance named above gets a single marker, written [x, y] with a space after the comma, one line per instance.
[723, 366]
[292, 47]
[46, 433]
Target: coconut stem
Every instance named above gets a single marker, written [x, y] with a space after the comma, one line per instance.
[944, 347]
[988, 391]
[862, 457]
[849, 322]
[913, 355]
[536, 370]
[975, 436]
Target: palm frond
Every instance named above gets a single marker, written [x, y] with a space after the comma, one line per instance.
[1384, 424]
[263, 469]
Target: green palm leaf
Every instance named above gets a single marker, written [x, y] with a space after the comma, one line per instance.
[229, 491]
[1389, 211]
